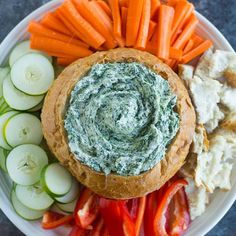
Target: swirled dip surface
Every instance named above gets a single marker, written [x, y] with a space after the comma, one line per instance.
[121, 118]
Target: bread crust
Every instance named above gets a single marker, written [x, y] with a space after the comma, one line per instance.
[115, 186]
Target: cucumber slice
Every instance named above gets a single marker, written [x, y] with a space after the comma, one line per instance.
[4, 71]
[17, 99]
[3, 156]
[67, 207]
[37, 107]
[22, 49]
[71, 195]
[23, 128]
[32, 74]
[4, 107]
[3, 120]
[25, 163]
[24, 211]
[33, 197]
[56, 180]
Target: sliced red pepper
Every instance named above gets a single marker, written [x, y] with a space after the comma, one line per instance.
[87, 209]
[136, 208]
[160, 217]
[52, 220]
[77, 231]
[117, 218]
[180, 214]
[98, 227]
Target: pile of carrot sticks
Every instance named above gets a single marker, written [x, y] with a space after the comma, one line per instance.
[78, 28]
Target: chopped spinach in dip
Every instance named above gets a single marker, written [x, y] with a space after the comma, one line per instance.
[121, 118]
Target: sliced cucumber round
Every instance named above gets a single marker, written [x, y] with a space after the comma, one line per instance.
[37, 107]
[25, 163]
[23, 128]
[3, 120]
[3, 157]
[33, 197]
[56, 180]
[4, 71]
[71, 195]
[24, 211]
[32, 74]
[22, 49]
[67, 207]
[17, 99]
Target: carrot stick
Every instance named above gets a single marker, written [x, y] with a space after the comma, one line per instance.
[196, 51]
[38, 29]
[95, 39]
[181, 9]
[187, 33]
[152, 28]
[181, 22]
[92, 13]
[124, 3]
[175, 53]
[64, 19]
[117, 29]
[189, 45]
[151, 47]
[65, 61]
[144, 25]
[56, 46]
[52, 22]
[133, 21]
[173, 3]
[165, 20]
[105, 7]
[154, 6]
[197, 40]
[124, 12]
[57, 54]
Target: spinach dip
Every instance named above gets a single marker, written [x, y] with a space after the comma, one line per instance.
[121, 118]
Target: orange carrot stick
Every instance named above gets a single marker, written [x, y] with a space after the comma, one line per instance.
[124, 3]
[197, 40]
[57, 54]
[174, 2]
[56, 46]
[65, 61]
[181, 9]
[187, 32]
[175, 53]
[94, 37]
[133, 21]
[196, 51]
[154, 6]
[152, 28]
[144, 25]
[117, 29]
[38, 29]
[95, 16]
[165, 20]
[105, 7]
[151, 47]
[189, 45]
[50, 21]
[124, 12]
[185, 17]
[64, 19]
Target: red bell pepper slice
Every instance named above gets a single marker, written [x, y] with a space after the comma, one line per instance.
[137, 208]
[87, 209]
[52, 220]
[98, 227]
[117, 218]
[180, 214]
[160, 218]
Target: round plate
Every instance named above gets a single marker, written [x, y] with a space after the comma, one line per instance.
[221, 201]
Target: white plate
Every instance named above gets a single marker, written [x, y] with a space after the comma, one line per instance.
[221, 202]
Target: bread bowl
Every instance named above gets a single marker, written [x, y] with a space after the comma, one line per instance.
[113, 185]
